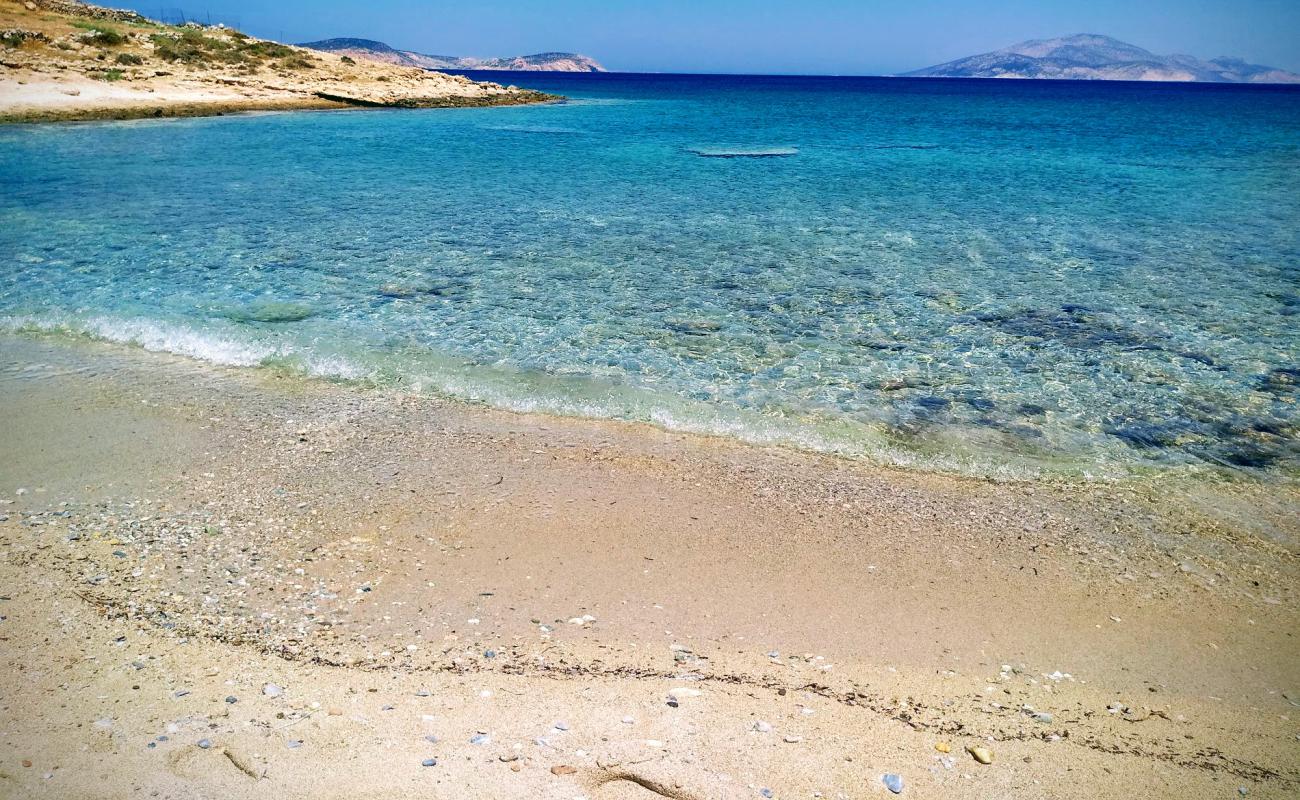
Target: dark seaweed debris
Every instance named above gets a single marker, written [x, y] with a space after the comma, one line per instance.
[1234, 440]
[1082, 328]
[1071, 325]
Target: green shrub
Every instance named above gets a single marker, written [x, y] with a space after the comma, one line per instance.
[269, 50]
[104, 37]
[298, 62]
[169, 49]
[347, 60]
[111, 75]
[185, 49]
[129, 59]
[191, 46]
[18, 37]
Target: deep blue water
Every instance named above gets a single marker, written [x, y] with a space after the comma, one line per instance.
[981, 276]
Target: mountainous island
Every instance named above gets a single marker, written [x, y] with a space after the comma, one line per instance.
[1089, 56]
[378, 51]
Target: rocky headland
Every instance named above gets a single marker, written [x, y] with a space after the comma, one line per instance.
[62, 60]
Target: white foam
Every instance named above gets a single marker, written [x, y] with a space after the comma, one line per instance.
[498, 391]
[182, 340]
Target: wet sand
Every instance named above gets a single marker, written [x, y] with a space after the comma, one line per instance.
[707, 619]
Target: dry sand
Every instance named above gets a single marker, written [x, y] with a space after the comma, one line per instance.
[703, 619]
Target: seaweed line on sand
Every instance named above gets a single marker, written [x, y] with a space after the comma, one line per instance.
[1208, 759]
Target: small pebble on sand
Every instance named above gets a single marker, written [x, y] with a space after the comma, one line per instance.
[981, 754]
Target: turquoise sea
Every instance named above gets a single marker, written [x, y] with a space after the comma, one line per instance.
[1003, 278]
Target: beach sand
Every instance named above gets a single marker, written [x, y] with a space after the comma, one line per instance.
[608, 609]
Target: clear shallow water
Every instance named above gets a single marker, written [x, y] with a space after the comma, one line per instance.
[988, 277]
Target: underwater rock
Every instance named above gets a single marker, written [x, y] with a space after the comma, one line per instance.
[399, 291]
[933, 403]
[1148, 434]
[1071, 325]
[694, 327]
[271, 311]
[1245, 455]
[880, 344]
[1280, 380]
[744, 152]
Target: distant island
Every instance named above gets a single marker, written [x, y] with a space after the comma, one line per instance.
[379, 51]
[1089, 56]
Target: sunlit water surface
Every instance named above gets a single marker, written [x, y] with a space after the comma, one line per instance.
[1006, 278]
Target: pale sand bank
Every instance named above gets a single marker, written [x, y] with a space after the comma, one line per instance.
[190, 529]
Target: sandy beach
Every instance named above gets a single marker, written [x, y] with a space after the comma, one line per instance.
[241, 583]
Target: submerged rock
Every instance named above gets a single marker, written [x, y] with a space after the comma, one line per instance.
[399, 291]
[272, 311]
[695, 327]
[1071, 325]
[744, 152]
[1280, 380]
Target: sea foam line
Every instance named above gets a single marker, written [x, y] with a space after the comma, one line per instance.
[751, 428]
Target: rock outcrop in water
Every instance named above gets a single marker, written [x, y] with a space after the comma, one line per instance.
[379, 51]
[1088, 56]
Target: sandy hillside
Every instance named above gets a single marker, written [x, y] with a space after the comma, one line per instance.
[65, 60]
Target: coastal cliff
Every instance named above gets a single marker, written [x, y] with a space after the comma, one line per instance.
[62, 60]
[379, 51]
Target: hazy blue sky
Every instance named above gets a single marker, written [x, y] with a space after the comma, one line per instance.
[864, 37]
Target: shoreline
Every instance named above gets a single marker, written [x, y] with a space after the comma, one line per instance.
[182, 109]
[1029, 469]
[63, 62]
[320, 536]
